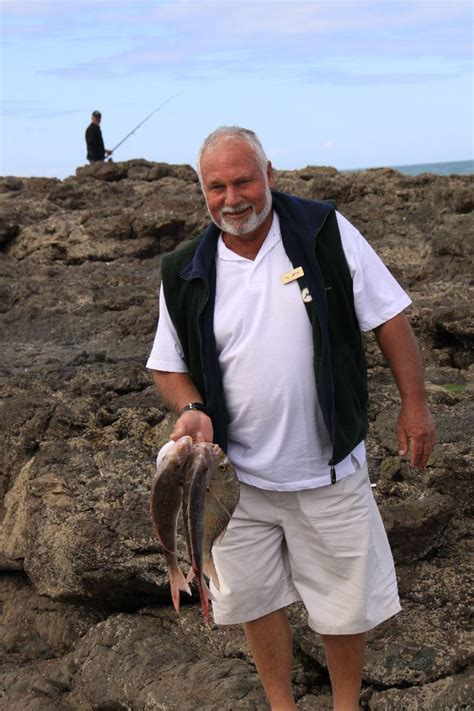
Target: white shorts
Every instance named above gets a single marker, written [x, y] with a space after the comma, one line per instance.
[326, 547]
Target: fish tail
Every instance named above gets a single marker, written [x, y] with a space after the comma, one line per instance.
[177, 582]
[204, 597]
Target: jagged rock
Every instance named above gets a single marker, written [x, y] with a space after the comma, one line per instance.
[106, 170]
[415, 647]
[416, 527]
[309, 702]
[80, 425]
[131, 661]
[134, 660]
[453, 694]
[77, 514]
[37, 627]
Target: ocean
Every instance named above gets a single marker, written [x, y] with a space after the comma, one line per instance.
[458, 167]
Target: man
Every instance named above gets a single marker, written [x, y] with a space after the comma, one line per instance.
[95, 143]
[258, 347]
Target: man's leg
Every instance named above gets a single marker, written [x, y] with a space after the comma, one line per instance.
[271, 643]
[345, 658]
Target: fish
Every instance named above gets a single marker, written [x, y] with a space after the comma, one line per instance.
[200, 479]
[166, 502]
[210, 495]
[196, 481]
[221, 499]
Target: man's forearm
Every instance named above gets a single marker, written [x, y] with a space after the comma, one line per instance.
[398, 344]
[415, 427]
[176, 389]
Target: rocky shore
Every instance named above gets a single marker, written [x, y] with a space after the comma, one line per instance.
[86, 619]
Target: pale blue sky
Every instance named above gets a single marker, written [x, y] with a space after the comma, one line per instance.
[343, 83]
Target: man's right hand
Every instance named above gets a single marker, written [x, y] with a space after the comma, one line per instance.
[195, 424]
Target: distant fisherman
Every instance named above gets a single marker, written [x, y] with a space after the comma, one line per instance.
[96, 151]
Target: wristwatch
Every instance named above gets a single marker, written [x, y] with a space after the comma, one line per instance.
[193, 406]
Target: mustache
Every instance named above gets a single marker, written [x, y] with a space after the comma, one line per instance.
[236, 210]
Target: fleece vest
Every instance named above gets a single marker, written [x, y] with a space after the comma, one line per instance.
[311, 240]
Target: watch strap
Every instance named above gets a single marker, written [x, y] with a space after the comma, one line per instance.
[193, 406]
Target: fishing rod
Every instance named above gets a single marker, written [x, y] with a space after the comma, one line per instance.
[142, 122]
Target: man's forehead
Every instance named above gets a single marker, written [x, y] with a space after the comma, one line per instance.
[233, 153]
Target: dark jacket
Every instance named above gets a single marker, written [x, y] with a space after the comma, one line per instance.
[95, 143]
[311, 239]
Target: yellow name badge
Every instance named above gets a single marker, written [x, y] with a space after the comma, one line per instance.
[295, 273]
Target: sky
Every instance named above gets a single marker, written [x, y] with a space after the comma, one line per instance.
[345, 83]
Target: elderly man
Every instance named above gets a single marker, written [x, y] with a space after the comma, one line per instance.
[258, 348]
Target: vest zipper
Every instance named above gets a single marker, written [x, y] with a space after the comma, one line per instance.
[205, 394]
[332, 469]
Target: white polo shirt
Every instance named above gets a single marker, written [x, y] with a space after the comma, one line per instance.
[277, 436]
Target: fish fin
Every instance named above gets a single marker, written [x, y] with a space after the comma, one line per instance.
[190, 575]
[177, 582]
[211, 572]
[207, 592]
[216, 498]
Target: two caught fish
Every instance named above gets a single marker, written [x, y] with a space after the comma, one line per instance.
[200, 479]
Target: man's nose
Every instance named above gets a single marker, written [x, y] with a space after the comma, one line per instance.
[232, 196]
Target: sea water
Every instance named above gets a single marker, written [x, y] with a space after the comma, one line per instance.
[459, 167]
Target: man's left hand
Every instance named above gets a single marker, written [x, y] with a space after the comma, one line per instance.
[415, 433]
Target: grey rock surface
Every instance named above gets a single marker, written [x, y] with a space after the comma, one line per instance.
[84, 599]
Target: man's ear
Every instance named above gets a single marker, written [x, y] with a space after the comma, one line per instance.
[270, 176]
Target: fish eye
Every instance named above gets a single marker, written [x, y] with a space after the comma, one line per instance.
[222, 467]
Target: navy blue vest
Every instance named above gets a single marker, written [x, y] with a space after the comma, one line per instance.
[311, 240]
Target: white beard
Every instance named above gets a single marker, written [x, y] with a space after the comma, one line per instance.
[248, 224]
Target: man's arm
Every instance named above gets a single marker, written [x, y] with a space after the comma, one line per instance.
[177, 390]
[415, 427]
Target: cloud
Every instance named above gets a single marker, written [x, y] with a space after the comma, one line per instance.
[33, 110]
[363, 77]
[211, 40]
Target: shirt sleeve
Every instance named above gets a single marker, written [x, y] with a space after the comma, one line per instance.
[166, 353]
[378, 296]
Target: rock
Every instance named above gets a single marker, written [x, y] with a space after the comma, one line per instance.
[131, 661]
[310, 702]
[106, 170]
[78, 518]
[453, 693]
[413, 648]
[416, 527]
[36, 627]
[135, 661]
